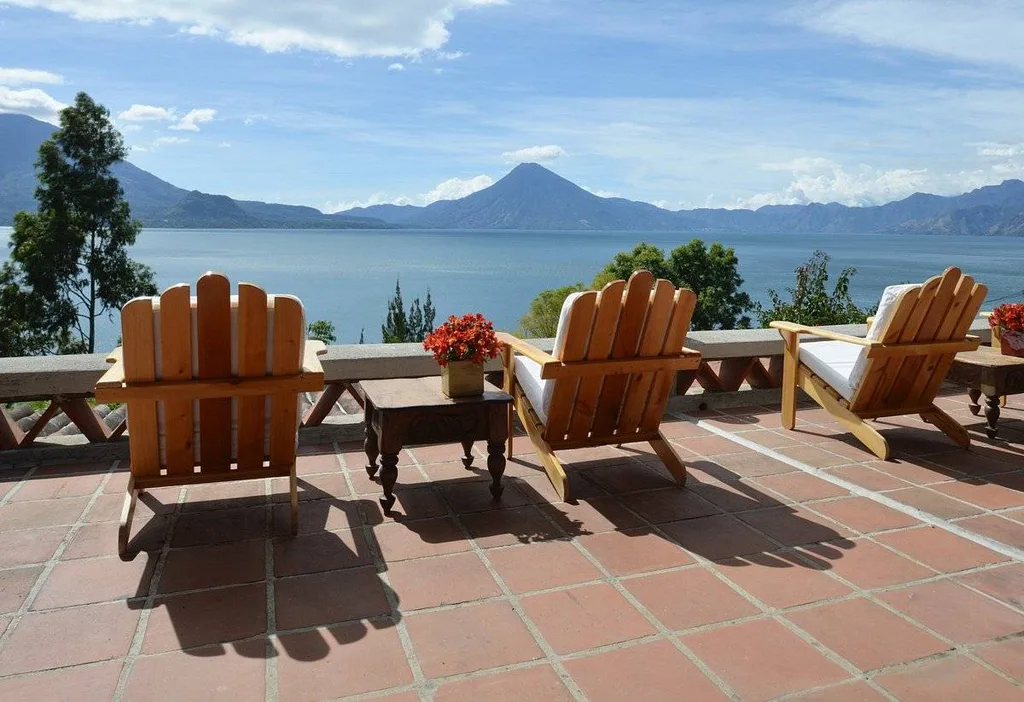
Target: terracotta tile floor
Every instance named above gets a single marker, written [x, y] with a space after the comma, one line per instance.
[760, 580]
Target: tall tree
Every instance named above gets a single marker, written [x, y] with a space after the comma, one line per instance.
[70, 259]
[710, 271]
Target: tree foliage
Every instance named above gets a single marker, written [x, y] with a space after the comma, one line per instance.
[710, 271]
[810, 301]
[541, 322]
[322, 330]
[69, 263]
[403, 326]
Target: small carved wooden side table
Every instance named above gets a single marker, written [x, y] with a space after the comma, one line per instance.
[413, 411]
[987, 371]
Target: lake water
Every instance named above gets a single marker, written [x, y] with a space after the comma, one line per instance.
[347, 276]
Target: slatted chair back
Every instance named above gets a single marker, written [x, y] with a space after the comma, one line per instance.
[641, 318]
[212, 339]
[940, 310]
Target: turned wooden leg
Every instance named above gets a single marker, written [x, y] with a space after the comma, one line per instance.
[975, 406]
[127, 513]
[992, 415]
[496, 466]
[467, 449]
[370, 447]
[388, 478]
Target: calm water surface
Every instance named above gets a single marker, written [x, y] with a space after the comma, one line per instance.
[346, 276]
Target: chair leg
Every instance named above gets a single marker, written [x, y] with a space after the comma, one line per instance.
[949, 426]
[127, 514]
[670, 458]
[790, 363]
[864, 432]
[293, 485]
[552, 466]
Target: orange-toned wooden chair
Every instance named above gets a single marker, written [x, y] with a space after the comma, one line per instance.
[611, 373]
[897, 369]
[211, 383]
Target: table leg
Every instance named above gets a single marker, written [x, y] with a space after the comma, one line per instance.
[975, 406]
[467, 448]
[370, 447]
[388, 478]
[992, 415]
[496, 466]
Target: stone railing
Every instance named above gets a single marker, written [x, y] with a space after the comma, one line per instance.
[738, 368]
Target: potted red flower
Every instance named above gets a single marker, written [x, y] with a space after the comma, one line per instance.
[461, 346]
[1007, 321]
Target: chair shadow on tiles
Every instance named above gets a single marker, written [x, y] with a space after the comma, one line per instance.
[326, 582]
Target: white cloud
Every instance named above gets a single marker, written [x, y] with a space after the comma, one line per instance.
[28, 76]
[146, 113]
[199, 30]
[450, 55]
[191, 121]
[451, 189]
[396, 67]
[454, 188]
[978, 31]
[224, 145]
[601, 193]
[168, 141]
[33, 102]
[816, 179]
[345, 28]
[253, 119]
[996, 150]
[537, 154]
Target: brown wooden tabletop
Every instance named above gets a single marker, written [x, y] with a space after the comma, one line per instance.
[987, 371]
[413, 411]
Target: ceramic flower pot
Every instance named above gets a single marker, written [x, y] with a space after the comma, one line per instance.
[1011, 343]
[462, 379]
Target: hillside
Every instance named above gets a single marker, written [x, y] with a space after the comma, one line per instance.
[154, 201]
[532, 197]
[528, 197]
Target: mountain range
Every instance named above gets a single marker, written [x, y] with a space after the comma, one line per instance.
[528, 197]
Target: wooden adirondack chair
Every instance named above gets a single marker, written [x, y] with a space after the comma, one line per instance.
[897, 369]
[212, 386]
[614, 362]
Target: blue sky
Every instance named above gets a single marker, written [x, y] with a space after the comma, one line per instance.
[333, 103]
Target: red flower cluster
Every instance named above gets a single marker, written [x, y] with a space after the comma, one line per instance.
[467, 338]
[1009, 316]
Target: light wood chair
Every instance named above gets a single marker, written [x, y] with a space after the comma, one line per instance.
[212, 385]
[897, 369]
[614, 362]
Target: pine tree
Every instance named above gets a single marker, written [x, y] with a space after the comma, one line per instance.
[395, 329]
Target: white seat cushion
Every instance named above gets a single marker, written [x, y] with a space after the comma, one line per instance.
[886, 309]
[537, 391]
[527, 372]
[833, 362]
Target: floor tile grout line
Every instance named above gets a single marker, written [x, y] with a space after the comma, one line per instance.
[664, 633]
[515, 604]
[51, 563]
[980, 539]
[138, 639]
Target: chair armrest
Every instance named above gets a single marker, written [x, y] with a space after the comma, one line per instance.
[793, 328]
[526, 349]
[310, 360]
[114, 377]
